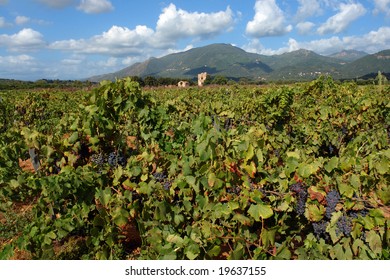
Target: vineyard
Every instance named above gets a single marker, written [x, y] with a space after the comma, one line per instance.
[231, 172]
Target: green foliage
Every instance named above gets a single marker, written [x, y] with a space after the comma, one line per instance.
[211, 173]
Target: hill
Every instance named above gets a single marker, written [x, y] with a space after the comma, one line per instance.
[368, 64]
[349, 55]
[233, 62]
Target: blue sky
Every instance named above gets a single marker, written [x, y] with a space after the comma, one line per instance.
[75, 39]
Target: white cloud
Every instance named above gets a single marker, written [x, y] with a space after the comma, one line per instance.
[269, 20]
[176, 23]
[305, 27]
[71, 61]
[371, 42]
[255, 46]
[173, 50]
[19, 20]
[308, 8]
[18, 67]
[22, 59]
[58, 4]
[27, 39]
[117, 41]
[173, 24]
[382, 6]
[3, 22]
[95, 6]
[340, 21]
[109, 63]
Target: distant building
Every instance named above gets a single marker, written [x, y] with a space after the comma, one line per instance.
[183, 84]
[202, 78]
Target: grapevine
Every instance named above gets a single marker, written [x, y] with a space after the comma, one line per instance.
[236, 172]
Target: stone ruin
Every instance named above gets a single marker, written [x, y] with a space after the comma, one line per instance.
[202, 78]
[183, 84]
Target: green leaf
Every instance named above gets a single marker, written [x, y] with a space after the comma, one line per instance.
[383, 166]
[249, 153]
[73, 138]
[258, 211]
[177, 240]
[283, 253]
[346, 190]
[374, 242]
[305, 170]
[213, 252]
[191, 180]
[121, 217]
[355, 181]
[178, 219]
[211, 179]
[294, 154]
[242, 219]
[268, 237]
[192, 251]
[144, 188]
[315, 212]
[332, 164]
[105, 196]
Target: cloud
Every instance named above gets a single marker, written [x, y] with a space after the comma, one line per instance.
[305, 27]
[18, 66]
[95, 6]
[174, 24]
[371, 42]
[25, 40]
[340, 21]
[57, 4]
[269, 20]
[255, 46]
[308, 8]
[19, 20]
[3, 22]
[382, 6]
[117, 41]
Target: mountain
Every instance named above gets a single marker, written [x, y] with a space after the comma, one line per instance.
[368, 64]
[348, 55]
[303, 64]
[233, 62]
[221, 59]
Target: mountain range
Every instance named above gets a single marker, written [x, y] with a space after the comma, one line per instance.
[233, 62]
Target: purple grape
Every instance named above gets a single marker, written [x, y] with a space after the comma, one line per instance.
[301, 192]
[332, 198]
[344, 225]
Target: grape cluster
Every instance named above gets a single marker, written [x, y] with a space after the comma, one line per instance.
[300, 190]
[115, 159]
[167, 185]
[356, 214]
[344, 225]
[320, 229]
[163, 179]
[234, 190]
[332, 198]
[159, 176]
[98, 159]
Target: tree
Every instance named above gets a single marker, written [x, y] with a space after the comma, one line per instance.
[220, 80]
[150, 81]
